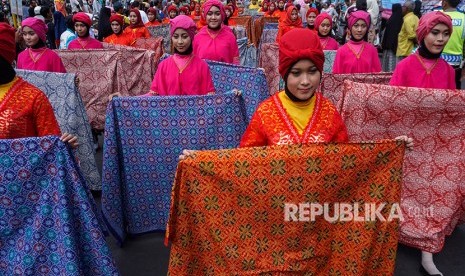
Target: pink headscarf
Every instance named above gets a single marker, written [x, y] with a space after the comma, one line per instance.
[357, 15]
[209, 4]
[320, 18]
[37, 25]
[431, 19]
[183, 22]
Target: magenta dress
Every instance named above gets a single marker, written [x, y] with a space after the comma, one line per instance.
[329, 43]
[85, 43]
[42, 59]
[218, 46]
[182, 75]
[356, 57]
[415, 71]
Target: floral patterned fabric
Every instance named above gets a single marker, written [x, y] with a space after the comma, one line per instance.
[227, 211]
[71, 116]
[332, 85]
[48, 219]
[433, 190]
[144, 137]
[128, 71]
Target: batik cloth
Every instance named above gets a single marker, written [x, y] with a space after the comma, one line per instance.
[228, 210]
[239, 31]
[247, 53]
[144, 137]
[332, 85]
[270, 30]
[164, 32]
[49, 221]
[71, 116]
[330, 55]
[116, 74]
[251, 81]
[259, 26]
[247, 22]
[153, 43]
[433, 190]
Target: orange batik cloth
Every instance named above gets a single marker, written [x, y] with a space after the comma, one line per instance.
[227, 210]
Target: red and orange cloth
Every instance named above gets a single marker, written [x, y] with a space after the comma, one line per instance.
[227, 210]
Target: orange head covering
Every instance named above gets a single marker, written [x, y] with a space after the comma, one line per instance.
[299, 44]
[139, 22]
[287, 20]
[83, 18]
[7, 42]
[431, 19]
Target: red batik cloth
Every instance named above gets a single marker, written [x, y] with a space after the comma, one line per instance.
[272, 125]
[269, 55]
[26, 112]
[332, 85]
[433, 191]
[227, 210]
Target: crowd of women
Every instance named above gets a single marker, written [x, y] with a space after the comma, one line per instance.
[203, 34]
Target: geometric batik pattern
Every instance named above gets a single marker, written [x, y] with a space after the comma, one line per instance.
[49, 223]
[144, 137]
[227, 214]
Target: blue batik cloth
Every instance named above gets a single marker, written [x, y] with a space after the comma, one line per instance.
[48, 220]
[251, 81]
[330, 56]
[247, 53]
[162, 31]
[71, 115]
[144, 137]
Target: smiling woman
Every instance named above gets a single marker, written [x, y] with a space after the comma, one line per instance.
[425, 68]
[182, 73]
[216, 41]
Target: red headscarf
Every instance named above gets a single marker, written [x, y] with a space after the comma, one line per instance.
[431, 19]
[270, 12]
[7, 42]
[139, 22]
[172, 8]
[118, 18]
[320, 18]
[315, 11]
[152, 11]
[83, 18]
[299, 44]
[209, 4]
[287, 20]
[185, 9]
[230, 8]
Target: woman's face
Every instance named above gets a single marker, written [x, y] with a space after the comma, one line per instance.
[182, 12]
[437, 38]
[30, 37]
[281, 4]
[197, 8]
[80, 28]
[265, 5]
[133, 18]
[116, 27]
[325, 27]
[311, 18]
[214, 18]
[303, 79]
[181, 40]
[359, 29]
[151, 16]
[172, 14]
[272, 8]
[294, 15]
[228, 13]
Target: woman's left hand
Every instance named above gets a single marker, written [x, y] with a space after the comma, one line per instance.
[407, 140]
[70, 139]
